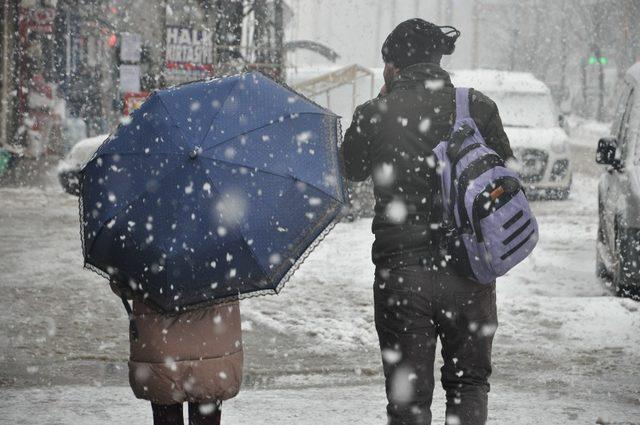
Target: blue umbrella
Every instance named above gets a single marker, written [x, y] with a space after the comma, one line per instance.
[212, 190]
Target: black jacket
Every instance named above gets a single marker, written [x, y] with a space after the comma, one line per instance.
[391, 139]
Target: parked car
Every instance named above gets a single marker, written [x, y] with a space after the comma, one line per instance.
[70, 165]
[533, 124]
[618, 245]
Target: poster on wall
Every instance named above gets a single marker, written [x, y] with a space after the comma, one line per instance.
[188, 54]
[129, 78]
[38, 19]
[130, 47]
[133, 101]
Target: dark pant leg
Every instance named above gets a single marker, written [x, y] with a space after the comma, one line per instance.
[467, 321]
[205, 413]
[167, 414]
[407, 334]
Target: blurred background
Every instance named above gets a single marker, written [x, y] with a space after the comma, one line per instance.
[73, 69]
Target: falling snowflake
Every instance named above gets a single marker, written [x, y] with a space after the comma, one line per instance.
[384, 175]
[424, 126]
[314, 201]
[391, 356]
[397, 212]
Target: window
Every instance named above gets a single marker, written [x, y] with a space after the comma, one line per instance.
[623, 135]
[621, 110]
[527, 110]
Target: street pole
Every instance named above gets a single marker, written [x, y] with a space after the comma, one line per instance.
[6, 77]
[279, 42]
[564, 60]
[162, 80]
[584, 85]
[600, 113]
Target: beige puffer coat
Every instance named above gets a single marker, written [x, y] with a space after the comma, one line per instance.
[194, 356]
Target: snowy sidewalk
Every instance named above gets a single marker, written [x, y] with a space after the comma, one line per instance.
[361, 405]
[565, 350]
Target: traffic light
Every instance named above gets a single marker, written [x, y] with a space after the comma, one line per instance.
[594, 60]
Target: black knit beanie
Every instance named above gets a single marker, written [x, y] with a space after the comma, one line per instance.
[416, 40]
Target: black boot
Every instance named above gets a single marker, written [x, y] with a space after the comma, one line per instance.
[205, 413]
[167, 414]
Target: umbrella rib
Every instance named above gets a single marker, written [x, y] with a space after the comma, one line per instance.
[219, 110]
[166, 109]
[158, 136]
[168, 114]
[271, 122]
[242, 236]
[125, 207]
[262, 170]
[131, 153]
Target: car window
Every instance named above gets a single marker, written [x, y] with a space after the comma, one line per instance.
[623, 136]
[620, 110]
[525, 110]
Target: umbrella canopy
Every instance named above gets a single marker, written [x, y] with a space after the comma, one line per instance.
[212, 190]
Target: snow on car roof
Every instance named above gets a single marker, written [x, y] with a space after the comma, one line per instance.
[93, 140]
[492, 81]
[82, 152]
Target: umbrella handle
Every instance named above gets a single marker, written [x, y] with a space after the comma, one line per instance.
[133, 329]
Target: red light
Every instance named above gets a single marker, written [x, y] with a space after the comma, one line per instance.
[113, 39]
[114, 10]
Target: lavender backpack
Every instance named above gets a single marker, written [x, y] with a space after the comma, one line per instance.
[489, 226]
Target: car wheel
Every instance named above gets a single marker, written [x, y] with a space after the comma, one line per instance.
[601, 269]
[621, 281]
[70, 183]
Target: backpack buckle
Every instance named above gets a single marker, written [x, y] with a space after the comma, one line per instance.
[457, 139]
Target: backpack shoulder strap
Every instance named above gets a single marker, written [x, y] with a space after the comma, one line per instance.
[458, 137]
[463, 107]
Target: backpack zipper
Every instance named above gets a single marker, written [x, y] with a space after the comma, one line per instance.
[480, 201]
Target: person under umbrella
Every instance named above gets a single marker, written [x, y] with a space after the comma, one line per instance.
[194, 356]
[213, 191]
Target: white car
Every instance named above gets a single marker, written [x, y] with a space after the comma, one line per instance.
[533, 125]
[72, 163]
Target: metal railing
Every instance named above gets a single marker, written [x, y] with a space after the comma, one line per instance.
[326, 83]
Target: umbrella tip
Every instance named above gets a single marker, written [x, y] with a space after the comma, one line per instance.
[194, 153]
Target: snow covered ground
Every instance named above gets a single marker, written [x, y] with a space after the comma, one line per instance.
[565, 352]
[353, 405]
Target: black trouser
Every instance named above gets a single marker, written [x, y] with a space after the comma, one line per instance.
[199, 414]
[413, 306]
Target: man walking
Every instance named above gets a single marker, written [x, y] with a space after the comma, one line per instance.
[418, 297]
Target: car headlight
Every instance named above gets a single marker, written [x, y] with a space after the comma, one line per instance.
[559, 146]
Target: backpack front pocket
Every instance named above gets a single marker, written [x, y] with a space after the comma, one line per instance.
[504, 224]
